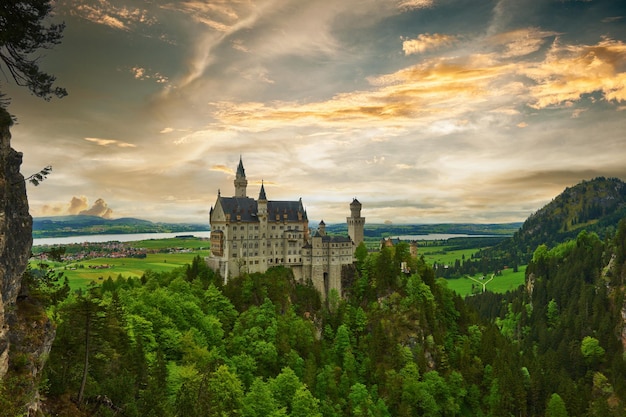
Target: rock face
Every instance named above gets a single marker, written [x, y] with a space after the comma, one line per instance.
[26, 334]
[15, 232]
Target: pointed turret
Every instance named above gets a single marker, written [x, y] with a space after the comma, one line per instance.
[240, 180]
[262, 195]
[322, 228]
[262, 202]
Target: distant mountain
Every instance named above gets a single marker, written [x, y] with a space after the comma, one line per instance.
[59, 226]
[379, 230]
[596, 206]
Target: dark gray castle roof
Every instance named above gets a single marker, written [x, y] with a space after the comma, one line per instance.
[329, 239]
[247, 208]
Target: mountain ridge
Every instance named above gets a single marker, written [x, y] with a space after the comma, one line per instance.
[59, 226]
[595, 205]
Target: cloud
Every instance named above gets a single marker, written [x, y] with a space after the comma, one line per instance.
[571, 71]
[107, 142]
[77, 204]
[445, 88]
[217, 16]
[223, 168]
[107, 14]
[426, 42]
[99, 208]
[145, 74]
[612, 19]
[520, 42]
[415, 4]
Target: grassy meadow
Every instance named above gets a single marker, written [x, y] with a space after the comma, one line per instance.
[508, 281]
[445, 255]
[80, 274]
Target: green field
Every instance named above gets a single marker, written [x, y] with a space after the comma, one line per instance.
[508, 281]
[80, 274]
[443, 254]
[178, 243]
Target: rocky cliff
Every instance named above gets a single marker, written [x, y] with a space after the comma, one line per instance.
[25, 332]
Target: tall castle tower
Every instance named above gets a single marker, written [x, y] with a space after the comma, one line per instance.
[356, 223]
[240, 180]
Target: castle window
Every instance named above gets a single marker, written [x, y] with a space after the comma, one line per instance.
[241, 227]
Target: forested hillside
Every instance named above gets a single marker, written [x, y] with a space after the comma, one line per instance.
[58, 226]
[181, 344]
[594, 206]
[568, 323]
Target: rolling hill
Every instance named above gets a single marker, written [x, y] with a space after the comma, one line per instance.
[58, 226]
[595, 206]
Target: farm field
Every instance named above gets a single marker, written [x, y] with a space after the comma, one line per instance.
[443, 254]
[81, 273]
[80, 277]
[446, 255]
[176, 243]
[175, 253]
[508, 281]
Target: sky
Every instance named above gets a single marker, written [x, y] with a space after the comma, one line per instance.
[426, 111]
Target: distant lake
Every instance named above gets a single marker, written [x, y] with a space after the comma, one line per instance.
[440, 236]
[129, 237]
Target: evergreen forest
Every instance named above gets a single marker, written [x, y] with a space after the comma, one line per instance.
[183, 343]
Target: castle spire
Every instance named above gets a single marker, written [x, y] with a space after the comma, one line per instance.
[262, 195]
[240, 180]
[241, 173]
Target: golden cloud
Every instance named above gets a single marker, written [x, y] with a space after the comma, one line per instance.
[218, 16]
[99, 208]
[105, 13]
[451, 87]
[107, 142]
[415, 4]
[77, 204]
[426, 42]
[570, 71]
[223, 168]
[520, 42]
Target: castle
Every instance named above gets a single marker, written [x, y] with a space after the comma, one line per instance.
[249, 235]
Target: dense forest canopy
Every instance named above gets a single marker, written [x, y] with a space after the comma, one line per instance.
[395, 344]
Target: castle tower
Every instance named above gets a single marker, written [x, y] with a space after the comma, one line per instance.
[356, 223]
[240, 180]
[322, 228]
